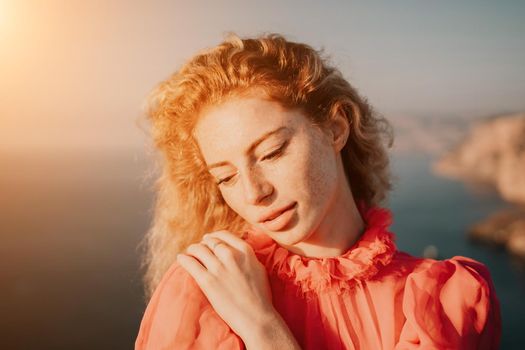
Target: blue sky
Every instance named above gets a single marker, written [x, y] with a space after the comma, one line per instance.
[76, 73]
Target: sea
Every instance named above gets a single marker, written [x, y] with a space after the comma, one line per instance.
[71, 225]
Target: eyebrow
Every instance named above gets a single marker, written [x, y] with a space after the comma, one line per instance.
[252, 146]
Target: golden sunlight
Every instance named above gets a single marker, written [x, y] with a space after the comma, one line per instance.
[4, 19]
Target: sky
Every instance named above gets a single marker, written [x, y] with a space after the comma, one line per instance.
[74, 74]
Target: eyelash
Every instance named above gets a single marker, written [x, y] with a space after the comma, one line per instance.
[275, 153]
[269, 156]
[226, 180]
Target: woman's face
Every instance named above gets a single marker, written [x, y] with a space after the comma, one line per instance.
[266, 158]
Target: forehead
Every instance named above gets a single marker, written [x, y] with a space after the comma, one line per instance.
[231, 127]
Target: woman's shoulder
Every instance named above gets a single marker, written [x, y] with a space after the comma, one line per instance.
[455, 281]
[175, 286]
[450, 301]
[176, 280]
[464, 272]
[179, 316]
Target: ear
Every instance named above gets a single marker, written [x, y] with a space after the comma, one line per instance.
[338, 130]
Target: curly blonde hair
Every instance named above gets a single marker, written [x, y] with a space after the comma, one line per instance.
[188, 201]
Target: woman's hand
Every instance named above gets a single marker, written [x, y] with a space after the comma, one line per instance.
[234, 281]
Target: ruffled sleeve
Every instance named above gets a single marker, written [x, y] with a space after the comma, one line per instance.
[450, 304]
[179, 316]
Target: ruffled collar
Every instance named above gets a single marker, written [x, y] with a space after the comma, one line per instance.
[374, 250]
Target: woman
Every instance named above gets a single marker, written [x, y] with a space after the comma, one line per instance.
[274, 169]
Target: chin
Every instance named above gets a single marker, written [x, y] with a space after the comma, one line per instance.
[290, 237]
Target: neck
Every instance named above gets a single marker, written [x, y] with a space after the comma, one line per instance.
[338, 232]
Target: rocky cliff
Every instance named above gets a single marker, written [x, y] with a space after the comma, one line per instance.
[494, 153]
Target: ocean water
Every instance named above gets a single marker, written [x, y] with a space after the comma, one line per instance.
[70, 226]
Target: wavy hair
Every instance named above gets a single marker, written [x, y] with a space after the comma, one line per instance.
[188, 202]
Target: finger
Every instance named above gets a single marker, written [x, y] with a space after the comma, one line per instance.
[228, 237]
[226, 253]
[213, 243]
[205, 256]
[193, 267]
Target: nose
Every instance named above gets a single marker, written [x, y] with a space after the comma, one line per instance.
[256, 187]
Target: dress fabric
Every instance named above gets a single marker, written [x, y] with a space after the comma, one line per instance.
[371, 297]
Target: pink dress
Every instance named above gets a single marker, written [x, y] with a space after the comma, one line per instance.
[371, 297]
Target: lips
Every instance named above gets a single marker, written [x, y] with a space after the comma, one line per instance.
[275, 213]
[280, 219]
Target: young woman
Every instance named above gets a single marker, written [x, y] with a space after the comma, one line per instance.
[268, 232]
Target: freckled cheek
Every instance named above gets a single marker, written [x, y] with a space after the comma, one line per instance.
[319, 175]
[300, 178]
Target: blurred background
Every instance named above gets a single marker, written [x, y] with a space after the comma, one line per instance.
[75, 172]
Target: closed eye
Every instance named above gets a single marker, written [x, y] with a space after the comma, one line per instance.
[275, 153]
[226, 180]
[269, 156]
